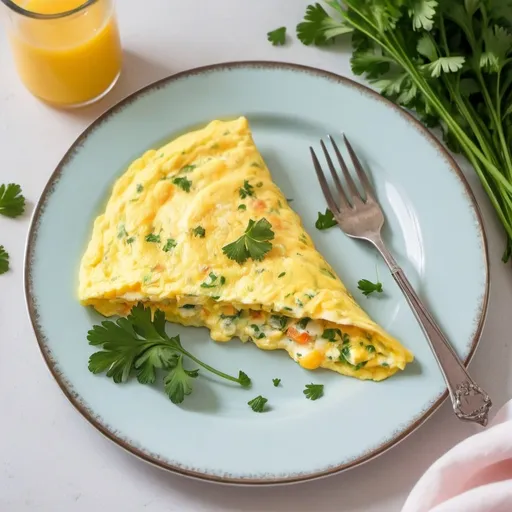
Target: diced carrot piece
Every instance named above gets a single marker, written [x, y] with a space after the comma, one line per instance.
[259, 205]
[256, 314]
[299, 337]
[229, 310]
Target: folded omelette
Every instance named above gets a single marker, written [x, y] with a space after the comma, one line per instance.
[162, 241]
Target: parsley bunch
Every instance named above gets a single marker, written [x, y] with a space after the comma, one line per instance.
[138, 345]
[449, 61]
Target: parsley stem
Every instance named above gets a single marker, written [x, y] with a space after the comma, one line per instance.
[209, 368]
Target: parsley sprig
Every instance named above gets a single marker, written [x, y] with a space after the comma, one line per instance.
[254, 243]
[257, 404]
[12, 202]
[138, 345]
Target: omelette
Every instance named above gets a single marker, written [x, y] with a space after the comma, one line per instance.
[198, 230]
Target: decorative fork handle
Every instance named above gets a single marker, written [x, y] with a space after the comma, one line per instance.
[470, 402]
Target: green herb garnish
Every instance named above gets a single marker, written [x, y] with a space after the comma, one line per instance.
[188, 168]
[4, 260]
[277, 37]
[121, 231]
[183, 183]
[318, 27]
[276, 382]
[199, 232]
[153, 238]
[242, 207]
[246, 190]
[257, 404]
[279, 322]
[330, 334]
[214, 281]
[188, 306]
[139, 345]
[314, 391]
[139, 188]
[254, 243]
[370, 348]
[367, 287]
[303, 322]
[169, 245]
[327, 272]
[130, 240]
[282, 274]
[12, 202]
[325, 220]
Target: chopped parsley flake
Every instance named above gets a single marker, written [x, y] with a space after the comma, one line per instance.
[214, 281]
[246, 190]
[183, 183]
[327, 272]
[188, 168]
[153, 238]
[276, 382]
[257, 404]
[242, 207]
[314, 391]
[325, 221]
[279, 322]
[303, 322]
[370, 348]
[139, 188]
[130, 240]
[121, 231]
[282, 274]
[330, 334]
[199, 231]
[169, 245]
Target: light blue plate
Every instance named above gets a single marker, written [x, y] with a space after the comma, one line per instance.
[433, 227]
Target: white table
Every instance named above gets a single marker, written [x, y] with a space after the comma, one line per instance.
[51, 459]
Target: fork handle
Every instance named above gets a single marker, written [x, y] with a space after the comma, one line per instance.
[470, 402]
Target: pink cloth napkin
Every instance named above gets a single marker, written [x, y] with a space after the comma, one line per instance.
[474, 476]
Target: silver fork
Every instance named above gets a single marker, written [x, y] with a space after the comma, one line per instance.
[360, 216]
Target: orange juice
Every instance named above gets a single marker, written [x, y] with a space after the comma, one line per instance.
[70, 60]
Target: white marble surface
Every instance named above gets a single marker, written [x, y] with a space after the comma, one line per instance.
[51, 460]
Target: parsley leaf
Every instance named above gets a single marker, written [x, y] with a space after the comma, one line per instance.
[246, 190]
[178, 382]
[367, 287]
[4, 260]
[254, 243]
[277, 37]
[139, 188]
[370, 348]
[199, 231]
[314, 391]
[183, 183]
[325, 220]
[152, 238]
[276, 382]
[169, 245]
[242, 207]
[319, 28]
[139, 345]
[257, 404]
[282, 274]
[12, 202]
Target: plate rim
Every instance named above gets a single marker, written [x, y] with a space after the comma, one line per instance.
[401, 433]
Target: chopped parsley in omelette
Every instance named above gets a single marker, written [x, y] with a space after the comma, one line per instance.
[198, 230]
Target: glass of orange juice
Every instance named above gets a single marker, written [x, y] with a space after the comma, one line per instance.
[67, 52]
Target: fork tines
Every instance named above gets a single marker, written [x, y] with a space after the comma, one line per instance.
[347, 200]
